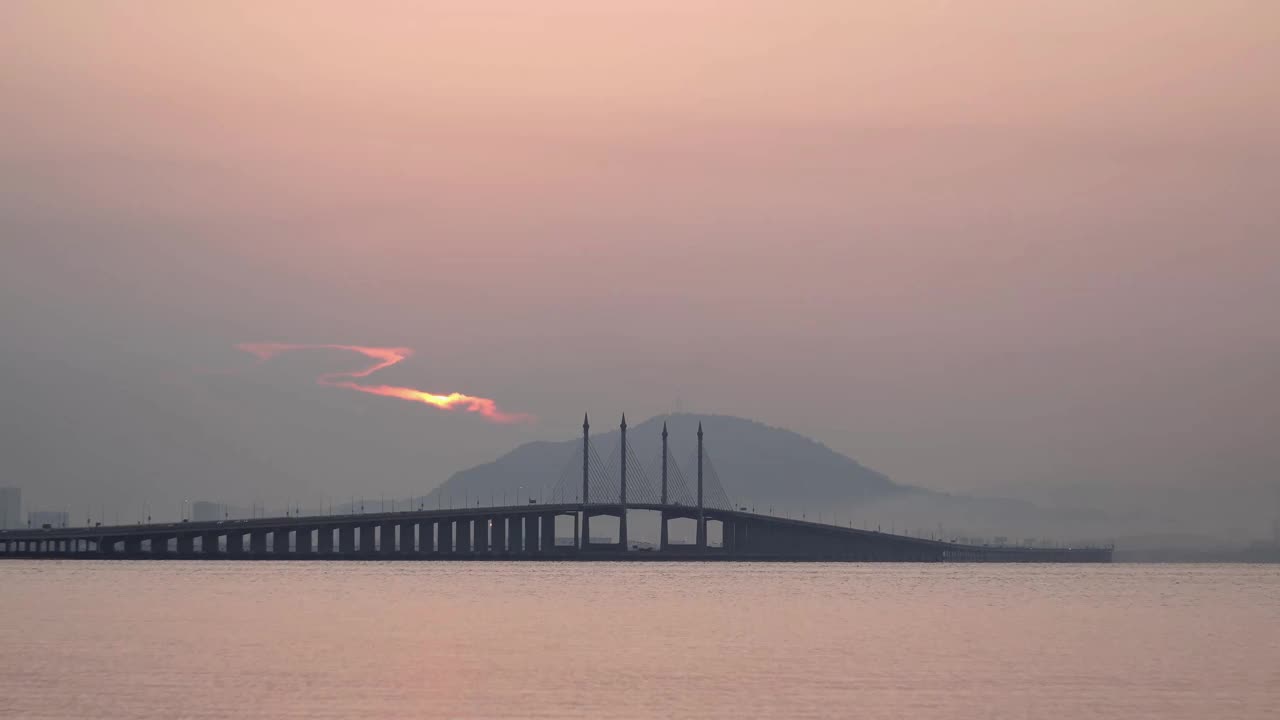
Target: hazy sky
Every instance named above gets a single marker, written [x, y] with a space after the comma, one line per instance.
[1004, 246]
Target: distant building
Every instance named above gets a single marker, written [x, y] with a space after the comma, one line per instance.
[202, 511]
[52, 518]
[10, 508]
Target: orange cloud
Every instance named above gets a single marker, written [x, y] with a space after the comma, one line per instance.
[385, 357]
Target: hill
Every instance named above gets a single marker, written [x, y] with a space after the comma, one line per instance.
[757, 464]
[770, 468]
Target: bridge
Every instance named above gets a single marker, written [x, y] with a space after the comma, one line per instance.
[555, 530]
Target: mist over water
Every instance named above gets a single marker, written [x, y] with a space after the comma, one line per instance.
[141, 640]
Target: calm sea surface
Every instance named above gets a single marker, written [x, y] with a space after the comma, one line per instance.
[605, 640]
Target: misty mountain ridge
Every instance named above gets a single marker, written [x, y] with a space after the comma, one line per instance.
[755, 462]
[769, 469]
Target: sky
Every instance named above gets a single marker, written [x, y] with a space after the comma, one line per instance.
[1017, 248]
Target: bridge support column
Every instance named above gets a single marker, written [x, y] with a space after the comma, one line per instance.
[160, 546]
[235, 543]
[258, 542]
[515, 534]
[209, 543]
[187, 545]
[407, 541]
[133, 546]
[547, 533]
[426, 537]
[302, 541]
[280, 542]
[462, 536]
[499, 527]
[368, 544]
[347, 539]
[324, 540]
[387, 538]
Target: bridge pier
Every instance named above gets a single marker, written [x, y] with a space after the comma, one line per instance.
[324, 540]
[347, 539]
[280, 542]
[499, 527]
[302, 541]
[186, 544]
[258, 542]
[426, 537]
[480, 535]
[387, 538]
[406, 534]
[367, 543]
[462, 537]
[515, 534]
[546, 533]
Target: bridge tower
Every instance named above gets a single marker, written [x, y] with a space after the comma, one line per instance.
[662, 540]
[622, 514]
[585, 537]
[702, 520]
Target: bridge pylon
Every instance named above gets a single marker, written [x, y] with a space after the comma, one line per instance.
[585, 535]
[663, 539]
[622, 492]
[702, 519]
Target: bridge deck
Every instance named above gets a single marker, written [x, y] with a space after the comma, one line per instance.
[514, 532]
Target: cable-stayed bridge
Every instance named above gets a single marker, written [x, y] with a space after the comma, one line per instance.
[616, 484]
